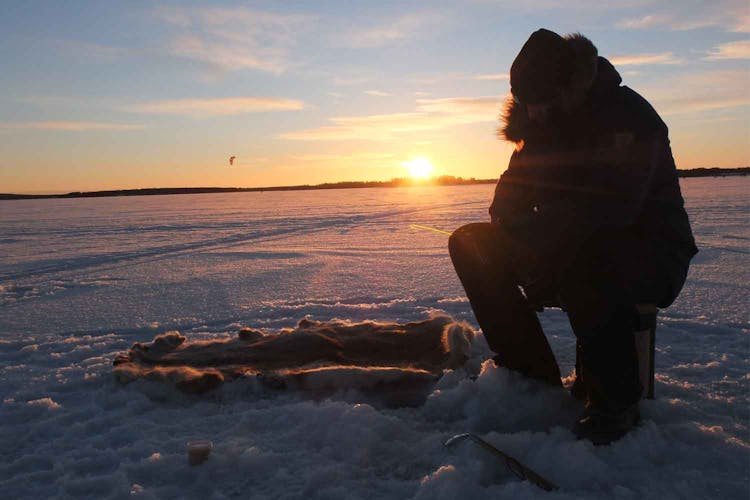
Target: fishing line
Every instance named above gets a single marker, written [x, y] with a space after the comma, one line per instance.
[418, 226]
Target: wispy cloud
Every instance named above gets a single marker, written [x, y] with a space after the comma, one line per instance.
[328, 157]
[639, 23]
[569, 5]
[227, 57]
[671, 22]
[465, 109]
[645, 59]
[493, 77]
[434, 79]
[695, 103]
[731, 50]
[345, 81]
[700, 92]
[216, 106]
[371, 127]
[377, 93]
[431, 114]
[233, 39]
[70, 126]
[730, 15]
[742, 24]
[386, 32]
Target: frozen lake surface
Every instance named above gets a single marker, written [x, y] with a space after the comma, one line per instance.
[83, 279]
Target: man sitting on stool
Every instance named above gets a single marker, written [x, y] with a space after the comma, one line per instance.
[588, 216]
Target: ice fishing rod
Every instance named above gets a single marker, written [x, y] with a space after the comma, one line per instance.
[521, 471]
[419, 226]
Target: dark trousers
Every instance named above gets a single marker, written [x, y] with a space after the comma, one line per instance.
[598, 288]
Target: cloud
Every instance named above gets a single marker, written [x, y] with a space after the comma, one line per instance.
[640, 23]
[317, 157]
[729, 15]
[670, 22]
[700, 92]
[387, 32]
[70, 126]
[569, 5]
[329, 157]
[233, 39]
[742, 24]
[239, 38]
[493, 77]
[645, 59]
[467, 109]
[352, 80]
[371, 127]
[227, 57]
[377, 93]
[693, 104]
[731, 50]
[216, 106]
[431, 80]
[431, 114]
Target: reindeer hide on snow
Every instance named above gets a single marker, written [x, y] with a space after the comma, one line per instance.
[317, 356]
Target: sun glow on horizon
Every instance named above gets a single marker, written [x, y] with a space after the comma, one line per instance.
[419, 168]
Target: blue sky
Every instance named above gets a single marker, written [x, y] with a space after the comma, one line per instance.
[102, 95]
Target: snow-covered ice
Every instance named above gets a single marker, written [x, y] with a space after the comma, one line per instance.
[81, 280]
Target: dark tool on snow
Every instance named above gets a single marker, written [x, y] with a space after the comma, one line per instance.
[521, 471]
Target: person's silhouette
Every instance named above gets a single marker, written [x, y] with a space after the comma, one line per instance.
[588, 216]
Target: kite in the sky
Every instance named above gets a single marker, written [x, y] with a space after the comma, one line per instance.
[231, 160]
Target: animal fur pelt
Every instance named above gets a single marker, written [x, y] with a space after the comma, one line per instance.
[314, 355]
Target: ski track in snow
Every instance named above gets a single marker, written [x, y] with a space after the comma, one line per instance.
[81, 280]
[240, 234]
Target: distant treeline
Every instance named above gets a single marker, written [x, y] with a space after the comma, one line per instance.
[713, 172]
[443, 180]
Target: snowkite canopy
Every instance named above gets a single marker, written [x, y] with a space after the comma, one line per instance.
[231, 160]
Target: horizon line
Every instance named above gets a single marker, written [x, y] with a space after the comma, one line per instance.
[394, 182]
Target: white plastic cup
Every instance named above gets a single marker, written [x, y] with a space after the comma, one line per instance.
[198, 451]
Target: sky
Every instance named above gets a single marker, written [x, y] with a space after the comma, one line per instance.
[118, 95]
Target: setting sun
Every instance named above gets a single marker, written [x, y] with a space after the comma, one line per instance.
[419, 167]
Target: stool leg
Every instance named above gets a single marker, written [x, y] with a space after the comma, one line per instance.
[651, 364]
[645, 343]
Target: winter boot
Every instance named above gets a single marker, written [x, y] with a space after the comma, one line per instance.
[609, 376]
[602, 426]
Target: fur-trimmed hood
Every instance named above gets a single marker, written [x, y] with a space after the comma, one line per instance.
[592, 73]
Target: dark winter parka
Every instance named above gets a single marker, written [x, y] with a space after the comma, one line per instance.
[608, 165]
